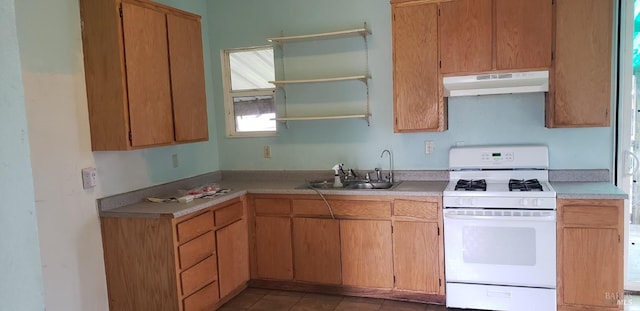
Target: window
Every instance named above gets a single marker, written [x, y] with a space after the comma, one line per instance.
[249, 101]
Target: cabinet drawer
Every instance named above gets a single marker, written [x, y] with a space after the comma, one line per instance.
[416, 209]
[203, 299]
[590, 216]
[195, 226]
[273, 206]
[352, 208]
[196, 249]
[366, 209]
[197, 276]
[310, 208]
[228, 214]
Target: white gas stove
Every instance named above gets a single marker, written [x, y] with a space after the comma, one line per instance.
[500, 229]
[499, 177]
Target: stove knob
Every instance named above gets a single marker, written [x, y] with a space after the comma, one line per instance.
[538, 202]
[472, 202]
[460, 202]
[524, 202]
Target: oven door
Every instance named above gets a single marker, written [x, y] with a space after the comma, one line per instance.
[500, 247]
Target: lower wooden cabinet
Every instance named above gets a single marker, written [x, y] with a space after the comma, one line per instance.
[415, 249]
[367, 259]
[233, 256]
[418, 245]
[376, 246]
[190, 263]
[590, 254]
[316, 250]
[273, 248]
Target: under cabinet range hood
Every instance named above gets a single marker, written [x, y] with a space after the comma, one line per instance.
[496, 83]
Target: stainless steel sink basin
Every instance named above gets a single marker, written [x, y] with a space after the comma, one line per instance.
[351, 185]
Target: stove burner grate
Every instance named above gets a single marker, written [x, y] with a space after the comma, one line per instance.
[471, 185]
[524, 185]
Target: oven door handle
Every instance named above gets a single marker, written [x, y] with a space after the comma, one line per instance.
[546, 218]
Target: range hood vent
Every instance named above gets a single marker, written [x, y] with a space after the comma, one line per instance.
[496, 83]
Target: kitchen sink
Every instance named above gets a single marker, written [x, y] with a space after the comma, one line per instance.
[351, 185]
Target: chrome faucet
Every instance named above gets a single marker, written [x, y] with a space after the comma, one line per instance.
[390, 163]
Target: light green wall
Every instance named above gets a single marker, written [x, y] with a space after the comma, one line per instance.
[21, 282]
[499, 119]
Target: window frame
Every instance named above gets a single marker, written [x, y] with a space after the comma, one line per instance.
[229, 94]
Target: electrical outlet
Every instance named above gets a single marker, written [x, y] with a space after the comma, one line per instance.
[174, 160]
[428, 147]
[89, 177]
[267, 151]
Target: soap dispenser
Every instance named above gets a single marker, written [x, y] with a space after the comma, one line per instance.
[336, 177]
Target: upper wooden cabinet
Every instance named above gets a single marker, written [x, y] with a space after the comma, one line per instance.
[580, 94]
[144, 74]
[523, 34]
[485, 35]
[465, 36]
[417, 93]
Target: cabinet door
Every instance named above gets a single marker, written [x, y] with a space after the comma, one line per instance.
[366, 252]
[316, 247]
[590, 264]
[582, 73]
[274, 259]
[148, 77]
[416, 260]
[233, 257]
[523, 34]
[187, 78]
[417, 102]
[590, 254]
[465, 36]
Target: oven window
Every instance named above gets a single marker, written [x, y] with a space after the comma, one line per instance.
[499, 245]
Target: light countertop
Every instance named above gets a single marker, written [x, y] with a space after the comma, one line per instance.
[124, 206]
[587, 190]
[174, 209]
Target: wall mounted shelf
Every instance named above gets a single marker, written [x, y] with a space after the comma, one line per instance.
[364, 78]
[327, 35]
[336, 79]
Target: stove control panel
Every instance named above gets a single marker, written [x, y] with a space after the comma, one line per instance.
[497, 156]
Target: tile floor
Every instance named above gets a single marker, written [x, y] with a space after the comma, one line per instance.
[254, 299]
[272, 300]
